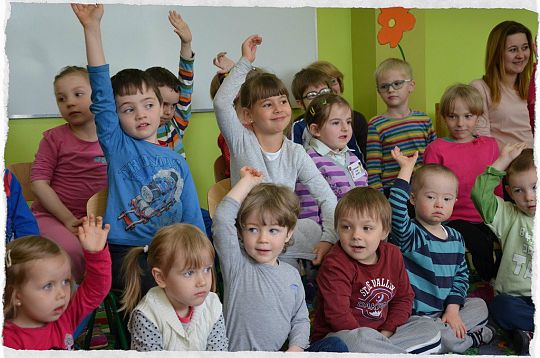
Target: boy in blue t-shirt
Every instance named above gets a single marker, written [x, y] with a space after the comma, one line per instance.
[149, 186]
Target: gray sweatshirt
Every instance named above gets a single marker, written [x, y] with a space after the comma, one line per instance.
[264, 305]
[291, 165]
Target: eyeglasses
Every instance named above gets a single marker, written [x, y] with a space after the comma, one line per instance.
[385, 87]
[311, 95]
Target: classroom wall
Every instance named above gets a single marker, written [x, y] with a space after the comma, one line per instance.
[346, 37]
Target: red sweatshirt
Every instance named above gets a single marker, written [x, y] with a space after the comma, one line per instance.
[353, 295]
[59, 334]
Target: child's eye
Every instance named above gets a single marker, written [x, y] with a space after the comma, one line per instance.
[367, 228]
[188, 274]
[149, 106]
[66, 282]
[431, 197]
[127, 110]
[448, 199]
[334, 123]
[47, 286]
[252, 230]
[60, 99]
[266, 105]
[274, 231]
[345, 227]
[284, 101]
[207, 269]
[79, 94]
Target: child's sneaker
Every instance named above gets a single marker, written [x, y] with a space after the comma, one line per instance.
[521, 340]
[482, 336]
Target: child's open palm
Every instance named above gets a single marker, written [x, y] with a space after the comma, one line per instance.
[512, 151]
[88, 14]
[403, 160]
[249, 47]
[180, 26]
[92, 233]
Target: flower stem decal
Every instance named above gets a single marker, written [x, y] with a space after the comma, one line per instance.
[394, 22]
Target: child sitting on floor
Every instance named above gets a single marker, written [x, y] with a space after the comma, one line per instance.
[365, 297]
[434, 254]
[512, 308]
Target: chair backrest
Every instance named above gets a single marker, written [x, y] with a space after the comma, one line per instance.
[97, 203]
[440, 125]
[219, 168]
[216, 193]
[22, 172]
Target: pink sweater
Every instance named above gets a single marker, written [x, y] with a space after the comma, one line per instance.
[508, 121]
[76, 169]
[467, 161]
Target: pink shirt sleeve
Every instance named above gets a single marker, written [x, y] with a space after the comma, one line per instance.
[46, 158]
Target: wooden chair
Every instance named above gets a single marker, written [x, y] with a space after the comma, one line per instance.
[97, 203]
[216, 193]
[440, 125]
[22, 172]
[219, 168]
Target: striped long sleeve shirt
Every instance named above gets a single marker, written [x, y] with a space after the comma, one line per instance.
[171, 134]
[437, 269]
[410, 134]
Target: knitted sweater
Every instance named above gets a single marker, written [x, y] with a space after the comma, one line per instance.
[410, 134]
[339, 177]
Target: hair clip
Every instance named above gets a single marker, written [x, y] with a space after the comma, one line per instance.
[312, 110]
[145, 249]
[8, 258]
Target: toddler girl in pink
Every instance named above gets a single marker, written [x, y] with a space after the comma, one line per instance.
[69, 167]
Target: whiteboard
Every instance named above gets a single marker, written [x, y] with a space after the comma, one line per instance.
[43, 38]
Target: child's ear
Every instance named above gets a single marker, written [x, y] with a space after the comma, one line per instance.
[412, 86]
[159, 277]
[314, 130]
[412, 199]
[289, 234]
[246, 118]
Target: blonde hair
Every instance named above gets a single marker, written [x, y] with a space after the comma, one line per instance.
[174, 242]
[393, 64]
[19, 254]
[419, 176]
[270, 201]
[467, 93]
[365, 201]
[330, 70]
[69, 70]
[494, 66]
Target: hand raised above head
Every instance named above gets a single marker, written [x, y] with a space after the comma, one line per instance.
[180, 26]
[88, 14]
[249, 47]
[92, 233]
[224, 63]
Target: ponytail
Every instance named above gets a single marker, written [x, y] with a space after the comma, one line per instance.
[132, 277]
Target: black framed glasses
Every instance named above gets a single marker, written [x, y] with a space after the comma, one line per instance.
[385, 87]
[311, 95]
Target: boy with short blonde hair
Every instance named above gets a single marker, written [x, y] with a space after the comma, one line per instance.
[434, 254]
[365, 297]
[398, 126]
[513, 223]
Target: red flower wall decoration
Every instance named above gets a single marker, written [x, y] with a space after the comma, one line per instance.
[394, 22]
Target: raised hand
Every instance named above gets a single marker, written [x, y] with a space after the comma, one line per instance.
[180, 26]
[252, 175]
[92, 233]
[249, 47]
[224, 63]
[402, 159]
[88, 14]
[508, 153]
